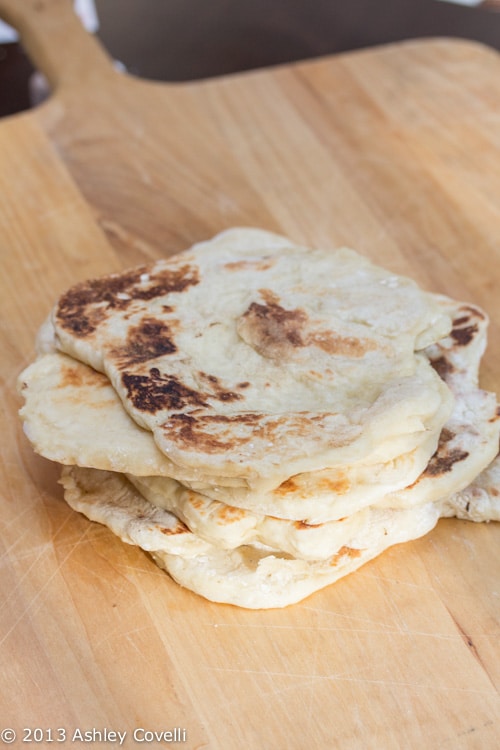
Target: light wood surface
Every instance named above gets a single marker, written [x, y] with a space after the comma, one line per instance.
[394, 151]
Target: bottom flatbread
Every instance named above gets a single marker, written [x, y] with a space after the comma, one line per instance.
[261, 579]
[254, 576]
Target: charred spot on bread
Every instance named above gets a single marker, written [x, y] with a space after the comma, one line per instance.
[463, 336]
[156, 391]
[86, 305]
[217, 389]
[150, 339]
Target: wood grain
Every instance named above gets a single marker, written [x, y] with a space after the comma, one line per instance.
[393, 151]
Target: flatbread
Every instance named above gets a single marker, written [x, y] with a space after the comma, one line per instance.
[467, 445]
[254, 576]
[264, 441]
[480, 501]
[67, 417]
[64, 403]
[65, 400]
[250, 576]
[107, 498]
[258, 579]
[469, 440]
[225, 380]
[465, 449]
[228, 527]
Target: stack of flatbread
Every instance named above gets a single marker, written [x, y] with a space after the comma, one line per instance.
[264, 418]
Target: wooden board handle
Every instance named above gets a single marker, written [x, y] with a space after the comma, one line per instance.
[56, 41]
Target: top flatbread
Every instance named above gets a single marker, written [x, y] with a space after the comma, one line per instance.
[252, 358]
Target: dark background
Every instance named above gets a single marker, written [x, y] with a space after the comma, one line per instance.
[177, 40]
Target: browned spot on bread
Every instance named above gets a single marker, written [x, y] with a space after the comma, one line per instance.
[475, 311]
[444, 457]
[217, 390]
[206, 431]
[196, 500]
[344, 551]
[463, 336]
[338, 486]
[442, 366]
[269, 297]
[76, 377]
[271, 330]
[83, 307]
[445, 436]
[442, 461]
[300, 525]
[249, 418]
[494, 492]
[163, 280]
[260, 264]
[150, 339]
[464, 327]
[466, 314]
[345, 346]
[154, 392]
[230, 514]
[186, 430]
[214, 432]
[81, 324]
[276, 332]
[286, 487]
[179, 528]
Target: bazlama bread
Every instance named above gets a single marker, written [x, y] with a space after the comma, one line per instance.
[275, 416]
[260, 364]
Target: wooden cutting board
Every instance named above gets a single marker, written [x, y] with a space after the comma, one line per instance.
[394, 151]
